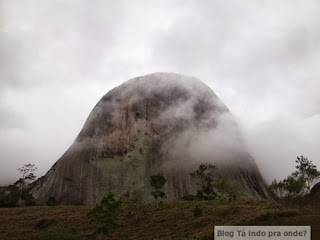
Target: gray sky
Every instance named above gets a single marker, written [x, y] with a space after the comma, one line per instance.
[59, 57]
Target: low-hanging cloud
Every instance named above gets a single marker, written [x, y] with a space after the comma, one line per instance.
[201, 130]
[59, 57]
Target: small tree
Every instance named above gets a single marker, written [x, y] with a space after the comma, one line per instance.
[294, 185]
[29, 199]
[204, 174]
[299, 182]
[27, 172]
[105, 215]
[227, 189]
[277, 188]
[135, 201]
[308, 171]
[157, 182]
[18, 193]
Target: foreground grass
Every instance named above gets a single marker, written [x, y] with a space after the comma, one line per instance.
[172, 220]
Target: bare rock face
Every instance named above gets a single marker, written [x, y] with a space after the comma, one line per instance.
[160, 123]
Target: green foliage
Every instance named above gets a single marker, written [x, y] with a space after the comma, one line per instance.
[29, 199]
[299, 182]
[308, 171]
[105, 216]
[204, 174]
[227, 189]
[157, 182]
[158, 194]
[9, 196]
[277, 188]
[27, 172]
[52, 201]
[294, 185]
[197, 212]
[12, 195]
[291, 186]
[60, 233]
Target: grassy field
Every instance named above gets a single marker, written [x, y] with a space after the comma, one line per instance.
[172, 220]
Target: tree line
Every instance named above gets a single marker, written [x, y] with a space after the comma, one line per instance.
[18, 194]
[299, 182]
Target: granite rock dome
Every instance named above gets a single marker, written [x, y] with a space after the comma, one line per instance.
[159, 123]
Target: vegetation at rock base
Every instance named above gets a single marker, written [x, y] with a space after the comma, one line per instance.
[308, 171]
[157, 182]
[299, 182]
[52, 201]
[204, 174]
[27, 173]
[18, 193]
[105, 216]
[9, 196]
[227, 189]
[212, 189]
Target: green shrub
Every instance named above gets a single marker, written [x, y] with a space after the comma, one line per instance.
[157, 182]
[227, 190]
[205, 176]
[51, 201]
[29, 200]
[105, 216]
[11, 198]
[197, 212]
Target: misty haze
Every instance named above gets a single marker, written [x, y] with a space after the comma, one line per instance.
[199, 108]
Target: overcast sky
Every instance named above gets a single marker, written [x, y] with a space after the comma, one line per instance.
[59, 57]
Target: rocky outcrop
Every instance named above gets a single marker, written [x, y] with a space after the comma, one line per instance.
[160, 123]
